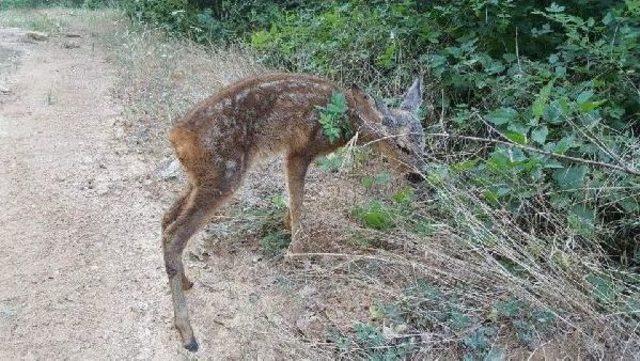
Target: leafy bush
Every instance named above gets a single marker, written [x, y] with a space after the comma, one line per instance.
[556, 78]
[91, 4]
[226, 22]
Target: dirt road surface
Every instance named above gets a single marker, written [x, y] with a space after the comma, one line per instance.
[81, 273]
[79, 263]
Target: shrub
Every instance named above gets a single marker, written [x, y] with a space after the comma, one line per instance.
[556, 78]
[91, 4]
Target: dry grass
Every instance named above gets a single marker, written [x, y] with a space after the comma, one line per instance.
[162, 77]
[476, 257]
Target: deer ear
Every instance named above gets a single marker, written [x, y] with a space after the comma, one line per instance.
[413, 98]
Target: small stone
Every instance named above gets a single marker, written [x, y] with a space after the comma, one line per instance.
[36, 35]
[139, 307]
[4, 90]
[307, 291]
[70, 45]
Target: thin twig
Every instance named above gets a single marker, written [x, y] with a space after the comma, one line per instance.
[518, 52]
[442, 111]
[540, 151]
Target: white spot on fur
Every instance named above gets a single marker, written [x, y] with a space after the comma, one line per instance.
[231, 165]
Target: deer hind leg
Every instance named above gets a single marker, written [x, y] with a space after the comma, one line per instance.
[296, 170]
[170, 216]
[200, 203]
[173, 212]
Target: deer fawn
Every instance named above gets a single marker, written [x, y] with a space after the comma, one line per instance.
[223, 136]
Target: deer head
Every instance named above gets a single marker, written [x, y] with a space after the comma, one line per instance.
[396, 132]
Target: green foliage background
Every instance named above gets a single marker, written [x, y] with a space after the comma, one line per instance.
[562, 77]
[90, 4]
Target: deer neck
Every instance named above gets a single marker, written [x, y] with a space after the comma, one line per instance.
[367, 132]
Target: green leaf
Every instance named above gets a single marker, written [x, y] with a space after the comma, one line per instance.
[464, 165]
[582, 219]
[502, 116]
[495, 354]
[383, 178]
[555, 8]
[385, 59]
[540, 104]
[553, 164]
[509, 308]
[584, 96]
[586, 107]
[516, 137]
[491, 196]
[458, 321]
[333, 118]
[571, 177]
[558, 111]
[375, 215]
[563, 145]
[539, 134]
[630, 205]
[367, 182]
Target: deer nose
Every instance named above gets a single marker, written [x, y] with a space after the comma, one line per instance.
[415, 178]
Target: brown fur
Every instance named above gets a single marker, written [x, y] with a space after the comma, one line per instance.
[219, 140]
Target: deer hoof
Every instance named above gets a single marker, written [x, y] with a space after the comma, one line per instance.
[192, 345]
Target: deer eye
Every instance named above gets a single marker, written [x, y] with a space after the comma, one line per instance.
[404, 150]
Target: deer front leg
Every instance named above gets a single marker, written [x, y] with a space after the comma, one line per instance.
[296, 170]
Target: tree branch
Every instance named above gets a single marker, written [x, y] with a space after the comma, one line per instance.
[540, 151]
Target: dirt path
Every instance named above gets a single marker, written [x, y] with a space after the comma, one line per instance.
[80, 275]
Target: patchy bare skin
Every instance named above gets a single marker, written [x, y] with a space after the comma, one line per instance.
[220, 138]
